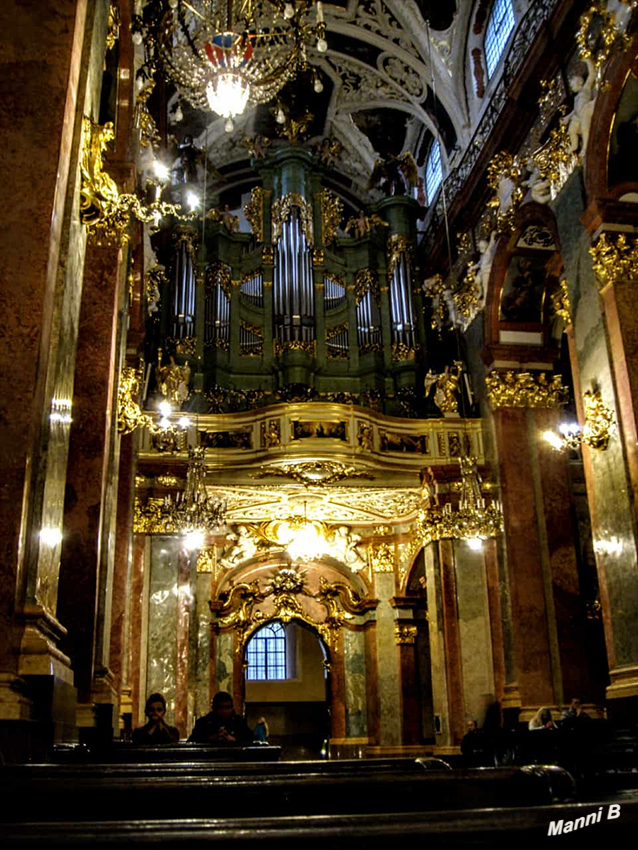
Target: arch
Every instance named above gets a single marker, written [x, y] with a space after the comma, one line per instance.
[596, 157]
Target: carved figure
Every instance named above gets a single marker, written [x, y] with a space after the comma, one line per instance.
[363, 224]
[327, 151]
[446, 386]
[189, 158]
[242, 547]
[271, 436]
[345, 547]
[364, 437]
[428, 483]
[579, 119]
[483, 266]
[172, 379]
[257, 146]
[395, 174]
[540, 187]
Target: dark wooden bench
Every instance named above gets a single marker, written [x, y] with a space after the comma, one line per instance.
[99, 796]
[129, 754]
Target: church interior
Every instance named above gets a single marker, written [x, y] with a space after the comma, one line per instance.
[324, 395]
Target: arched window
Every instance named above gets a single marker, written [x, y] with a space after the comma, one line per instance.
[499, 26]
[266, 653]
[433, 171]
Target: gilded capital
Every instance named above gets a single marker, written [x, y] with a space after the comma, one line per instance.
[524, 389]
[405, 634]
[614, 259]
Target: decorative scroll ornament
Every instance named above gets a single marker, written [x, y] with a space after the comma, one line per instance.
[551, 165]
[405, 635]
[599, 34]
[398, 246]
[286, 590]
[314, 473]
[615, 259]
[505, 175]
[154, 281]
[114, 24]
[401, 351]
[103, 210]
[600, 425]
[437, 290]
[331, 215]
[366, 279]
[523, 389]
[282, 210]
[144, 121]
[472, 520]
[254, 211]
[560, 303]
[218, 273]
[309, 346]
[129, 413]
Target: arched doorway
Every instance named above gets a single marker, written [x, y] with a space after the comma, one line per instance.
[286, 682]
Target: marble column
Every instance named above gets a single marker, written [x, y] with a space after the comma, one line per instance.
[43, 87]
[452, 642]
[138, 626]
[337, 691]
[390, 731]
[88, 549]
[372, 682]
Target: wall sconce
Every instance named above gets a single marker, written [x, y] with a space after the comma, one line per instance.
[600, 425]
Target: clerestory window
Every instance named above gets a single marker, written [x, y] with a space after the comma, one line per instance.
[433, 171]
[499, 26]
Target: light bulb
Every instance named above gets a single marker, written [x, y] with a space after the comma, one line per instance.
[475, 543]
[178, 115]
[50, 536]
[228, 95]
[318, 85]
[281, 116]
[165, 409]
[173, 4]
[322, 45]
[194, 539]
[229, 126]
[289, 11]
[137, 38]
[161, 170]
[184, 422]
[192, 200]
[554, 440]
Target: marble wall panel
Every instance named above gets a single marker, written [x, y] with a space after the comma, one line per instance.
[355, 675]
[224, 663]
[388, 664]
[161, 663]
[474, 627]
[437, 646]
[202, 635]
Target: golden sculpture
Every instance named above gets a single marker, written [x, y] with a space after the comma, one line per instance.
[600, 423]
[254, 211]
[331, 215]
[327, 151]
[505, 175]
[381, 557]
[401, 351]
[114, 24]
[172, 379]
[363, 224]
[614, 259]
[436, 289]
[271, 434]
[366, 279]
[598, 34]
[144, 121]
[447, 389]
[398, 246]
[207, 560]
[257, 146]
[560, 303]
[129, 413]
[524, 389]
[405, 635]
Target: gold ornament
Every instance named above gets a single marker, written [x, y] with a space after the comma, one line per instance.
[615, 259]
[524, 389]
[331, 215]
[282, 210]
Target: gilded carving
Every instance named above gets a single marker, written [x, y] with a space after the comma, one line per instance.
[282, 210]
[366, 279]
[615, 259]
[398, 246]
[381, 557]
[505, 175]
[560, 303]
[218, 273]
[524, 389]
[309, 346]
[401, 351]
[149, 134]
[313, 473]
[600, 422]
[270, 434]
[254, 211]
[331, 215]
[447, 390]
[405, 635]
[598, 34]
[207, 560]
[129, 413]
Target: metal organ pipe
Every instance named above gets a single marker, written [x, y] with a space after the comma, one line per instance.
[183, 319]
[293, 284]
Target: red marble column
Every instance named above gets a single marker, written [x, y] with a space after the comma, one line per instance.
[87, 547]
[338, 691]
[452, 642]
[494, 603]
[41, 70]
[410, 713]
[531, 640]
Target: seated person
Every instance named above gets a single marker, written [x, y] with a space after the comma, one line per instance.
[222, 727]
[261, 731]
[574, 717]
[156, 730]
[541, 720]
[473, 745]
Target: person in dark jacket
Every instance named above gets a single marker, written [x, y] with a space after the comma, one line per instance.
[222, 727]
[156, 730]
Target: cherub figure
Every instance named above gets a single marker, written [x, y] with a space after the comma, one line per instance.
[483, 266]
[540, 187]
[257, 146]
[172, 379]
[242, 546]
[395, 174]
[363, 224]
[447, 387]
[327, 151]
[364, 437]
[579, 119]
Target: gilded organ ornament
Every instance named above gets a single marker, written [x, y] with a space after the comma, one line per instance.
[282, 210]
[331, 215]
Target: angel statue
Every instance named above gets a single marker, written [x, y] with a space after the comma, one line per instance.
[395, 175]
[447, 387]
[172, 379]
[363, 224]
[257, 146]
[327, 151]
[579, 119]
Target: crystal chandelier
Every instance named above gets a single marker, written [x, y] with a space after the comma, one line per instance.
[194, 510]
[473, 520]
[226, 54]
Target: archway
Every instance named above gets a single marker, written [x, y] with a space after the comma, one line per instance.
[286, 681]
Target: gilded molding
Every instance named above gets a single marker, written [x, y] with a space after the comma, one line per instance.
[404, 635]
[366, 279]
[114, 23]
[331, 215]
[505, 175]
[524, 389]
[309, 346]
[601, 24]
[254, 211]
[129, 413]
[614, 259]
[282, 210]
[313, 473]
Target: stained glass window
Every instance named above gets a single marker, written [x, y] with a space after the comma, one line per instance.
[499, 26]
[266, 653]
